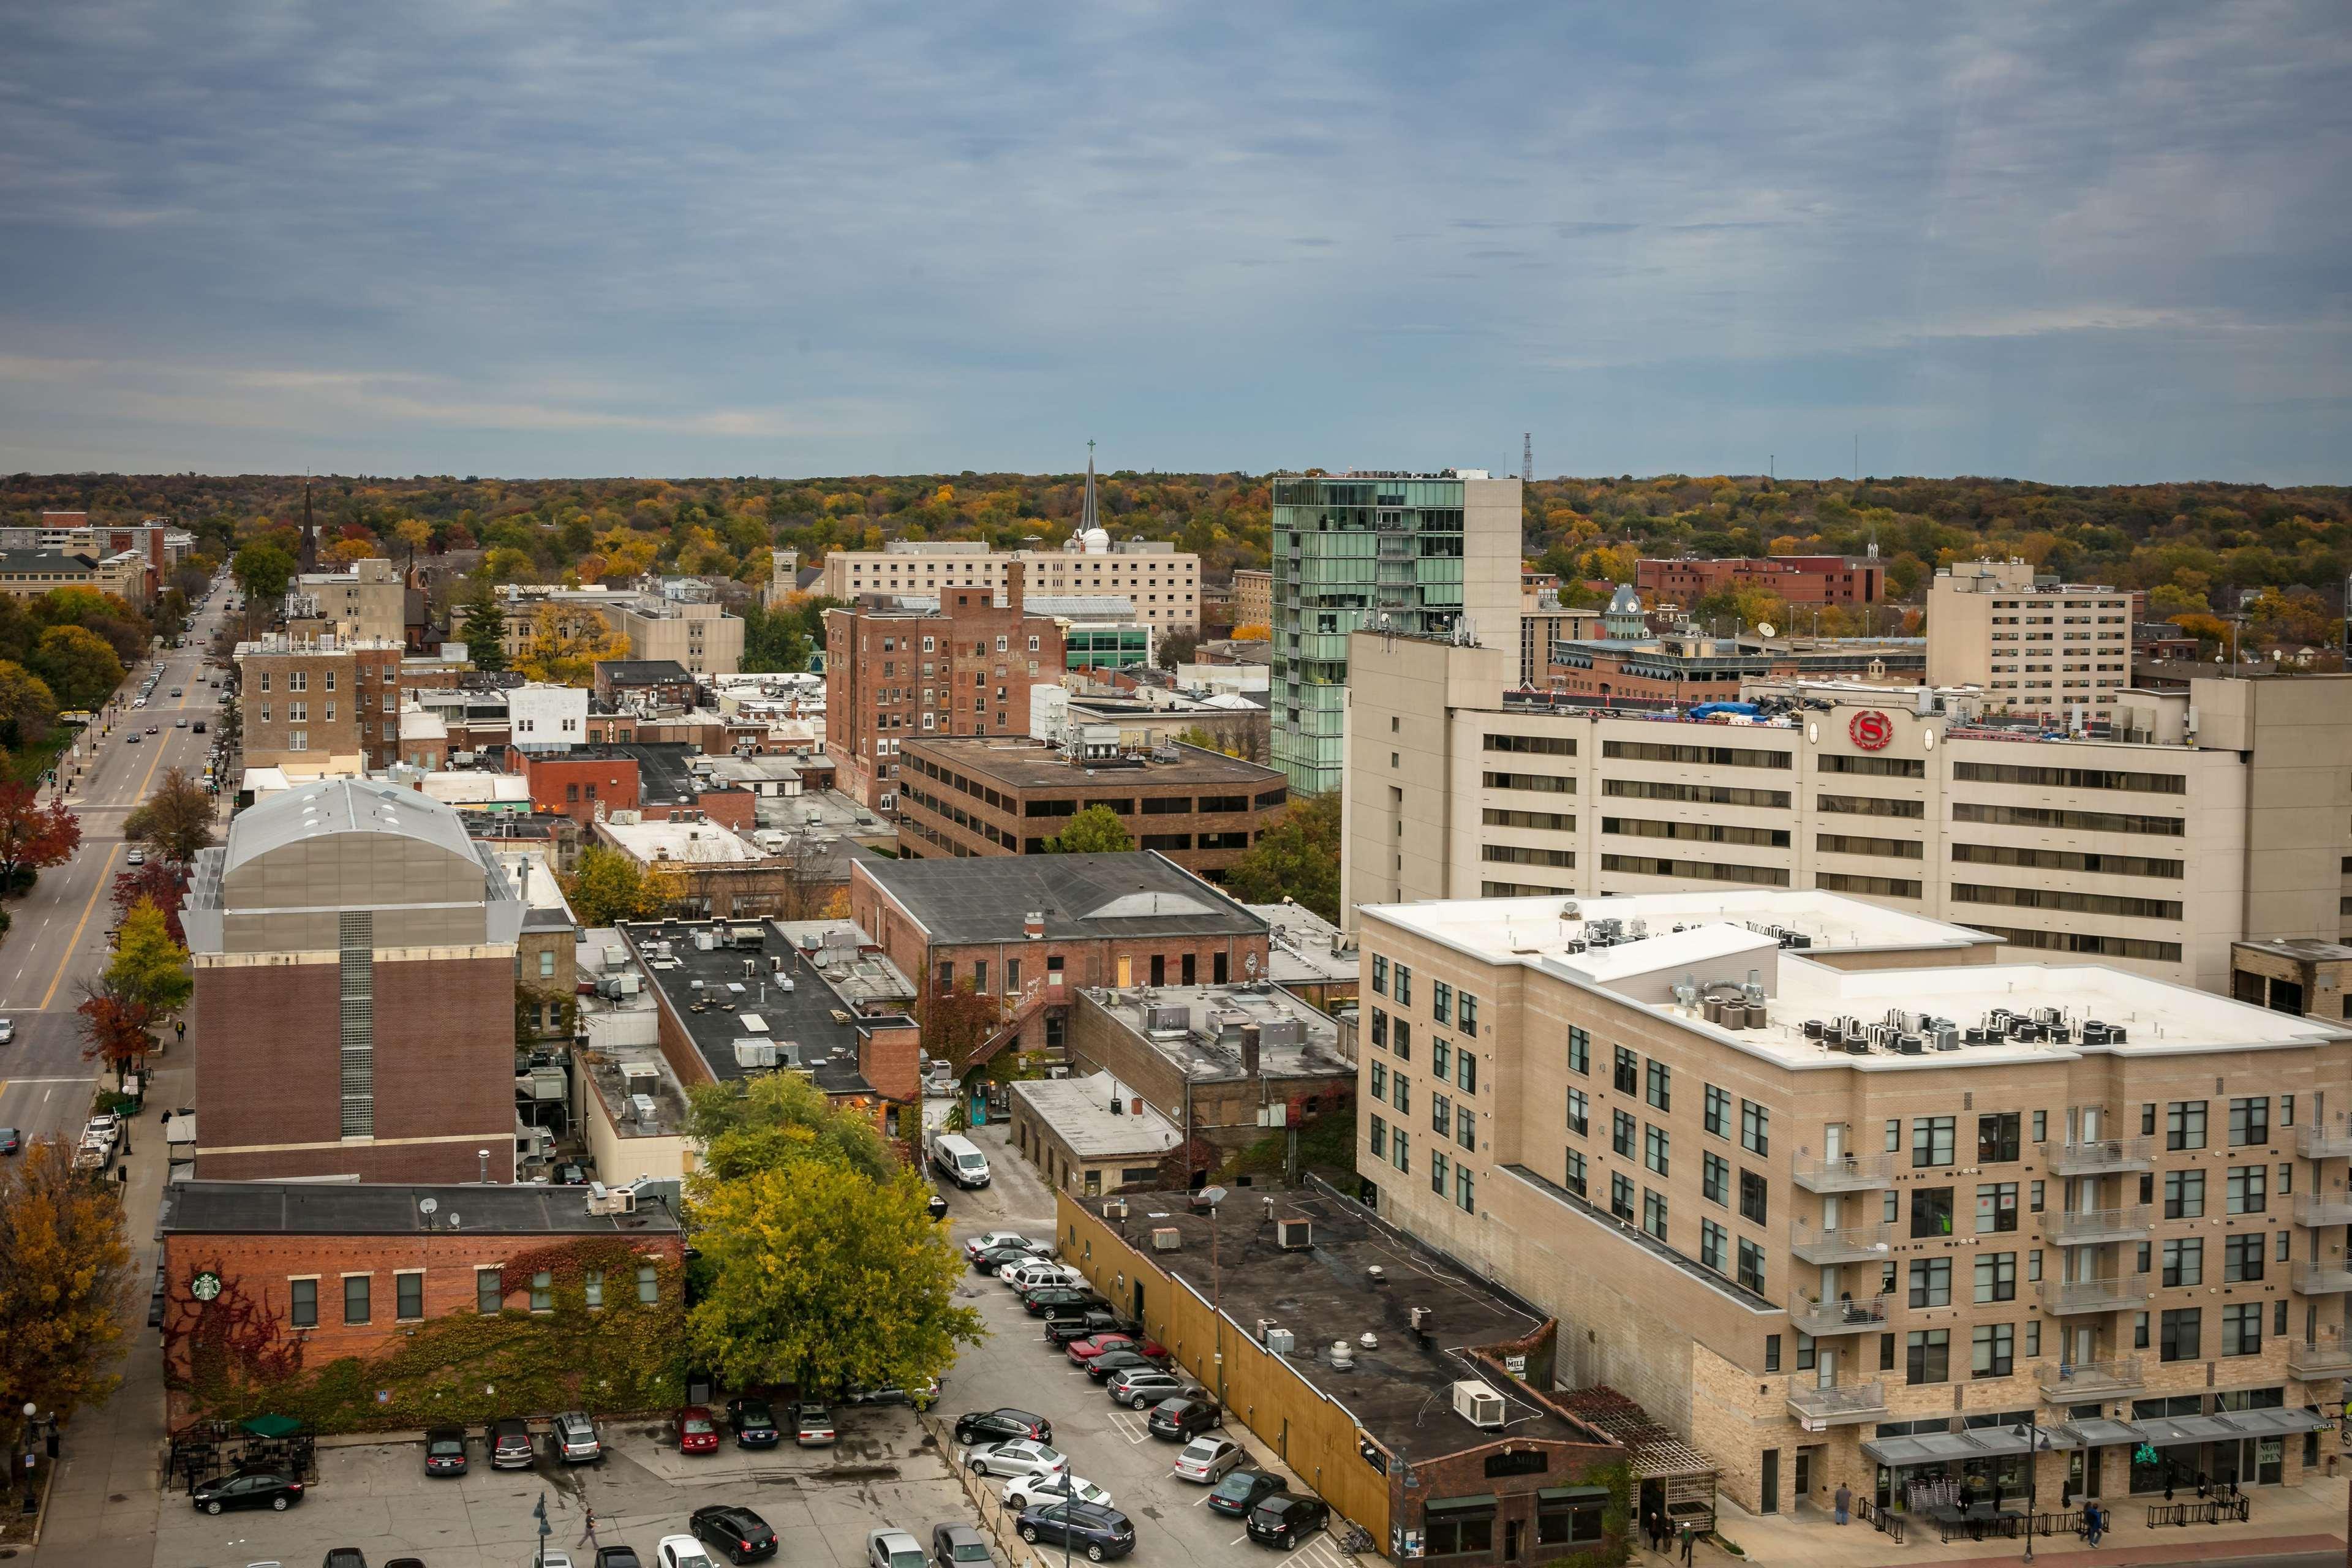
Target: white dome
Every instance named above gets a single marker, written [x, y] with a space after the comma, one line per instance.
[1098, 542]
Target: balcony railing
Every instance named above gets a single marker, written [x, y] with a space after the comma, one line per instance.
[1846, 1174]
[2323, 1358]
[1849, 1315]
[2080, 1382]
[2318, 1209]
[2112, 1294]
[1820, 1407]
[1846, 1244]
[2330, 1140]
[2098, 1156]
[2088, 1228]
[2325, 1277]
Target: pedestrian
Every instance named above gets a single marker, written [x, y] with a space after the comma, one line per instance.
[2168, 1483]
[2094, 1523]
[1845, 1501]
[2204, 1486]
[1690, 1538]
[588, 1535]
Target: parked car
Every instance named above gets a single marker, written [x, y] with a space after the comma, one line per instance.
[11, 1141]
[937, 1203]
[753, 1424]
[891, 1394]
[1101, 1533]
[576, 1439]
[953, 1545]
[813, 1426]
[696, 1432]
[1146, 1386]
[681, 1550]
[618, 1557]
[1000, 1425]
[1286, 1519]
[1029, 1276]
[445, 1451]
[986, 1240]
[508, 1444]
[1009, 1256]
[1243, 1491]
[1181, 1420]
[740, 1535]
[348, 1557]
[1084, 1351]
[892, 1549]
[1019, 1458]
[1101, 1368]
[1058, 1487]
[1084, 1325]
[1040, 1302]
[248, 1488]
[1205, 1460]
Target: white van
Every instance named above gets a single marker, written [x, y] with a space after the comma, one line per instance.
[958, 1158]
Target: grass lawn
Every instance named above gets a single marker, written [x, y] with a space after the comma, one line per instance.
[28, 764]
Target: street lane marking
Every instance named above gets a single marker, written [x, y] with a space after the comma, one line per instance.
[105, 872]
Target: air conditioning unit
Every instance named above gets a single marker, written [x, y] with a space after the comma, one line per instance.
[1281, 1341]
[1166, 1238]
[1477, 1403]
[755, 1053]
[1294, 1234]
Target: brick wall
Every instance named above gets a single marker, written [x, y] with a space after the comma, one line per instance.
[575, 786]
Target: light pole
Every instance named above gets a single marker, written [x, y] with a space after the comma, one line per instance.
[2031, 1432]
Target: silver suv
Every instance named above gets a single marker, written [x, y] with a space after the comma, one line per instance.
[575, 1437]
[1140, 1387]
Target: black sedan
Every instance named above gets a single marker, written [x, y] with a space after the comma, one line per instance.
[937, 1205]
[509, 1441]
[1100, 1534]
[254, 1488]
[445, 1451]
[618, 1557]
[753, 1422]
[1103, 1367]
[1286, 1519]
[1083, 1325]
[997, 1257]
[1243, 1491]
[1003, 1425]
[1181, 1420]
[740, 1534]
[1046, 1298]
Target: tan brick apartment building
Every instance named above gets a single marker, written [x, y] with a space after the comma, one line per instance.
[2221, 811]
[894, 674]
[1164, 580]
[370, 600]
[1843, 580]
[1254, 596]
[2048, 648]
[700, 635]
[309, 698]
[981, 796]
[1885, 1197]
[353, 1014]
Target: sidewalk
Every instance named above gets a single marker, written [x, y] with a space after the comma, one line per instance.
[108, 1481]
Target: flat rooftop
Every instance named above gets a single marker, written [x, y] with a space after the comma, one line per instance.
[1079, 1111]
[2303, 948]
[1493, 928]
[1197, 1028]
[1304, 949]
[852, 963]
[688, 843]
[1032, 765]
[367, 1208]
[1399, 1388]
[1133, 893]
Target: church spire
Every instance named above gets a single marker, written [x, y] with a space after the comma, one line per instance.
[1087, 517]
[308, 559]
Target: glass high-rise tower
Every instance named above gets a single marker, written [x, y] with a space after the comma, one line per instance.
[1418, 552]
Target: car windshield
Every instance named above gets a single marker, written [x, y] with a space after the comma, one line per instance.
[902, 1558]
[446, 1446]
[697, 1424]
[967, 1551]
[755, 1413]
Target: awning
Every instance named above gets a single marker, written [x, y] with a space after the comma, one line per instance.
[2002, 1440]
[1570, 1494]
[2207, 1428]
[2275, 1423]
[2097, 1432]
[1931, 1448]
[271, 1425]
[1458, 1504]
[2165, 1430]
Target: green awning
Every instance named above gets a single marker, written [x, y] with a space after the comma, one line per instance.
[1455, 1504]
[271, 1425]
[1571, 1494]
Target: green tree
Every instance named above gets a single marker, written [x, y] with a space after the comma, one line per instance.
[483, 629]
[28, 707]
[82, 667]
[176, 821]
[761, 1124]
[1094, 831]
[263, 571]
[773, 642]
[608, 886]
[1297, 858]
[64, 1288]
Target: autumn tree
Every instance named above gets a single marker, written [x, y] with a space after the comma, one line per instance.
[33, 836]
[608, 886]
[27, 706]
[160, 883]
[1297, 858]
[82, 667]
[760, 1123]
[144, 982]
[483, 629]
[957, 1022]
[176, 821]
[263, 571]
[1094, 831]
[566, 644]
[65, 1282]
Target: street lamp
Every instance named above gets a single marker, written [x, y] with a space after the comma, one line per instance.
[2030, 1430]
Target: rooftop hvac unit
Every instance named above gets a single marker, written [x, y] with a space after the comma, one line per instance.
[1283, 1031]
[1114, 1208]
[639, 1078]
[1281, 1341]
[615, 956]
[706, 941]
[755, 1053]
[603, 1199]
[547, 1083]
[1163, 1018]
[641, 1109]
[788, 1054]
[1294, 1234]
[1166, 1238]
[1477, 1403]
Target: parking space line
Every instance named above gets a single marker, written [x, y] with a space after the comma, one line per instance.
[1130, 1427]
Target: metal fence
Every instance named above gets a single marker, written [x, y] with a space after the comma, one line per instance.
[2237, 1510]
[1891, 1525]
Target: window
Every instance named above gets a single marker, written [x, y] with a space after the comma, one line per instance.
[2184, 1124]
[1755, 1128]
[356, 1304]
[1661, 1086]
[1931, 1212]
[2250, 1121]
[1928, 1356]
[1991, 1355]
[1996, 1277]
[2184, 1195]
[2247, 1190]
[1401, 1094]
[1620, 1196]
[1996, 1138]
[1932, 1141]
[1465, 1191]
[1751, 1265]
[1441, 1114]
[488, 1291]
[1465, 1127]
[1753, 1193]
[303, 1294]
[1771, 1353]
[1380, 1081]
[1580, 1113]
[2241, 1328]
[1628, 1072]
[648, 1284]
[1711, 1251]
[1466, 1012]
[1579, 1051]
[1379, 1028]
[543, 1291]
[408, 1296]
[1715, 1179]
[1719, 1112]
[2184, 1262]
[1404, 986]
[1570, 1521]
[2182, 1327]
[1440, 1002]
[1379, 976]
[1621, 1133]
[1437, 1166]
[1654, 1147]
[1399, 1155]
[1446, 1534]
[1401, 1035]
[1441, 1059]
[1996, 1207]
[1380, 1139]
[1931, 1282]
[1466, 1072]
[2241, 1258]
[1575, 1181]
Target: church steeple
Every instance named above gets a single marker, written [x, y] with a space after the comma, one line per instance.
[1086, 517]
[310, 556]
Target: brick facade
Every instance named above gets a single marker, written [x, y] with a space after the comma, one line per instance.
[575, 783]
[1797, 579]
[1222, 1112]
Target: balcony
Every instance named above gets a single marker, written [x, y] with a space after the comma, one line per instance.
[1820, 1407]
[2327, 1278]
[2089, 1227]
[1847, 1244]
[1825, 1319]
[2098, 1157]
[2315, 1210]
[2324, 1140]
[2083, 1382]
[2327, 1358]
[2116, 1293]
[1847, 1174]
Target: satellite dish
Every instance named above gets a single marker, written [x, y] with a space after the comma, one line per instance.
[1212, 1196]
[427, 1205]
[1764, 628]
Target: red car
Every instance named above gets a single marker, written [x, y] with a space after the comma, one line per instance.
[696, 1432]
[1085, 1351]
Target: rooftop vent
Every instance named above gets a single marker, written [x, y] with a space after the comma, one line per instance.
[1477, 1403]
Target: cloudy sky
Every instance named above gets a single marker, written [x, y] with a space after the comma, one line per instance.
[2077, 242]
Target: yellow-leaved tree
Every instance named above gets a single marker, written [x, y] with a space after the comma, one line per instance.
[566, 643]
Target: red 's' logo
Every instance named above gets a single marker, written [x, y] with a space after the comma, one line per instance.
[1871, 730]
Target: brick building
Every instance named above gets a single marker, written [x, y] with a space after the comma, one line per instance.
[374, 945]
[1690, 665]
[661, 782]
[1253, 596]
[1841, 580]
[894, 674]
[308, 698]
[660, 682]
[580, 782]
[983, 796]
[1034, 931]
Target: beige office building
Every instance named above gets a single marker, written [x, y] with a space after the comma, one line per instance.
[701, 637]
[370, 600]
[1164, 580]
[1842, 1199]
[2059, 650]
[2225, 813]
[1254, 596]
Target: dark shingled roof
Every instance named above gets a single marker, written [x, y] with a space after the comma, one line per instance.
[642, 671]
[366, 1208]
[1137, 893]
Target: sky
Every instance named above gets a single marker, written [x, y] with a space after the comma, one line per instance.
[2081, 243]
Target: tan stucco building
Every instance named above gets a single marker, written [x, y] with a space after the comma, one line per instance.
[2061, 649]
[1164, 580]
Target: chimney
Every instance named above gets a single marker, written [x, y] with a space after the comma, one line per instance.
[1033, 925]
[1249, 1050]
[1013, 570]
